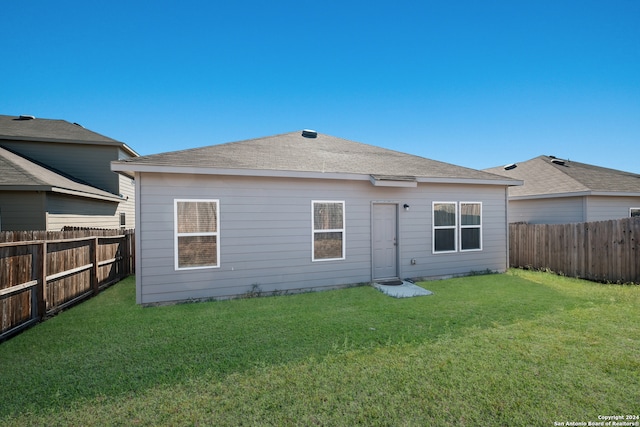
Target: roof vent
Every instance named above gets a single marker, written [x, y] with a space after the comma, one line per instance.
[308, 133]
[510, 166]
[557, 162]
[78, 124]
[26, 117]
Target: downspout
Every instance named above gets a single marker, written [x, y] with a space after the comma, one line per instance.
[506, 215]
[45, 209]
[137, 233]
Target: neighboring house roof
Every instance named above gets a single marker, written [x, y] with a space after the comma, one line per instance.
[18, 173]
[314, 155]
[29, 128]
[548, 176]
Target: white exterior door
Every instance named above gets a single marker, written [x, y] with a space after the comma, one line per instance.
[384, 240]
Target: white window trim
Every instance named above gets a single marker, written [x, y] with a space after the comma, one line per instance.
[470, 226]
[342, 230]
[443, 227]
[631, 211]
[176, 234]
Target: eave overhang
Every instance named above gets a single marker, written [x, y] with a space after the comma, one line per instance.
[113, 143]
[576, 194]
[130, 169]
[60, 190]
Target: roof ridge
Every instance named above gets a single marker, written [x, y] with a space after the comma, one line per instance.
[548, 161]
[603, 168]
[52, 130]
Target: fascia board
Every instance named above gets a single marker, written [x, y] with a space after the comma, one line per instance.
[127, 168]
[129, 150]
[25, 188]
[48, 188]
[130, 168]
[500, 182]
[551, 196]
[86, 195]
[615, 193]
[113, 143]
[575, 194]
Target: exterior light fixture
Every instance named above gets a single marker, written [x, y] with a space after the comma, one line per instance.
[406, 207]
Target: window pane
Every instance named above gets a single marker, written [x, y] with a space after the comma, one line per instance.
[327, 245]
[445, 240]
[470, 238]
[197, 251]
[444, 214]
[327, 216]
[197, 217]
[470, 213]
[635, 212]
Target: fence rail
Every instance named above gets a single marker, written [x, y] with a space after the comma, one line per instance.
[604, 251]
[42, 272]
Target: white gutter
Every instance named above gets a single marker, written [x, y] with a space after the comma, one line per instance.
[113, 198]
[129, 168]
[576, 194]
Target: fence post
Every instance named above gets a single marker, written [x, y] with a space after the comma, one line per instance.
[40, 266]
[127, 254]
[93, 254]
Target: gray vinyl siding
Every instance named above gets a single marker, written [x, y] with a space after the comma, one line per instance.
[63, 210]
[90, 163]
[20, 211]
[565, 210]
[602, 208]
[561, 210]
[266, 236]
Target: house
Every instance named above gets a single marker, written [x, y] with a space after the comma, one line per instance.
[304, 210]
[558, 191]
[54, 174]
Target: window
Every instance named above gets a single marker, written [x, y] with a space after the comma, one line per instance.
[123, 219]
[197, 226]
[634, 212]
[444, 227]
[452, 219]
[328, 230]
[470, 226]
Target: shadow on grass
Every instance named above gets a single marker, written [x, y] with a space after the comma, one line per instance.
[108, 347]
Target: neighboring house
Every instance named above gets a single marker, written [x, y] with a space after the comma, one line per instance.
[558, 191]
[54, 174]
[303, 211]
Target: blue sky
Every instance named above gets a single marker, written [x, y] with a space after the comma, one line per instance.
[474, 83]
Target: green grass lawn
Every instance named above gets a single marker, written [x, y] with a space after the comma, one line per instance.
[518, 349]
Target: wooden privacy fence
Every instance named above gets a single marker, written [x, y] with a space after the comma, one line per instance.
[49, 271]
[603, 251]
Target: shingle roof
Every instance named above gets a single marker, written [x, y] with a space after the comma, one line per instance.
[296, 153]
[25, 128]
[543, 176]
[20, 173]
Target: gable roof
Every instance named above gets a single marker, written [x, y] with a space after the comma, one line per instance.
[547, 176]
[29, 128]
[18, 173]
[319, 156]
